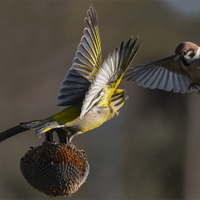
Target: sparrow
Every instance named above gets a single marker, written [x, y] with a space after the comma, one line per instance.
[89, 90]
[179, 73]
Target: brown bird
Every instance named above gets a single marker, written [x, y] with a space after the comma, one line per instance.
[177, 73]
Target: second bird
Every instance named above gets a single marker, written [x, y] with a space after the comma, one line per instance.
[177, 73]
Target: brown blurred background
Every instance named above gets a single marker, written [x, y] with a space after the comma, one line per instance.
[151, 150]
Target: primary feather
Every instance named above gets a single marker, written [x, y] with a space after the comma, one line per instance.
[165, 74]
[109, 76]
[85, 64]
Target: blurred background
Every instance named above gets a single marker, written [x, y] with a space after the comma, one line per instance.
[151, 150]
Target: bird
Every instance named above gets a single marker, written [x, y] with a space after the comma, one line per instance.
[89, 90]
[179, 73]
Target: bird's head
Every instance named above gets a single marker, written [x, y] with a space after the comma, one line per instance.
[187, 52]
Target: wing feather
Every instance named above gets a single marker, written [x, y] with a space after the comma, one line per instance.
[109, 76]
[165, 74]
[85, 64]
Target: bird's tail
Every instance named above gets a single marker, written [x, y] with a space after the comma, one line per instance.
[118, 99]
[11, 132]
[39, 126]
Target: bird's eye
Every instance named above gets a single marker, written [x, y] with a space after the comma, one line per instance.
[184, 52]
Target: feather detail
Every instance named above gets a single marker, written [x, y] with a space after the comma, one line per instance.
[40, 126]
[118, 99]
[109, 76]
[165, 74]
[85, 64]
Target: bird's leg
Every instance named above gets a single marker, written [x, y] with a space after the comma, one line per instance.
[71, 135]
[49, 136]
[62, 135]
[196, 86]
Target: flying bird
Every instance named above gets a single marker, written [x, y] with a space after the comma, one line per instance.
[89, 90]
[179, 73]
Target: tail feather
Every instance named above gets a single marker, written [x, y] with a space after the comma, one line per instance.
[11, 132]
[40, 127]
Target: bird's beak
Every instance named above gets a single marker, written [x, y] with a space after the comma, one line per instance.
[176, 57]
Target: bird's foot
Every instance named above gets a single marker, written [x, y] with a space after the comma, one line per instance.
[62, 135]
[195, 86]
[49, 136]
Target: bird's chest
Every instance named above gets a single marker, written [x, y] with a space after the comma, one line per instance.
[94, 118]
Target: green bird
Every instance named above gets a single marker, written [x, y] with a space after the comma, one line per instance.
[88, 90]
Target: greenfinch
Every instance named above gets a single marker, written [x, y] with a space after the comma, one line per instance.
[89, 90]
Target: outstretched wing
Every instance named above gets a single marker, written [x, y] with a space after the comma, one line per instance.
[165, 74]
[85, 64]
[109, 76]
